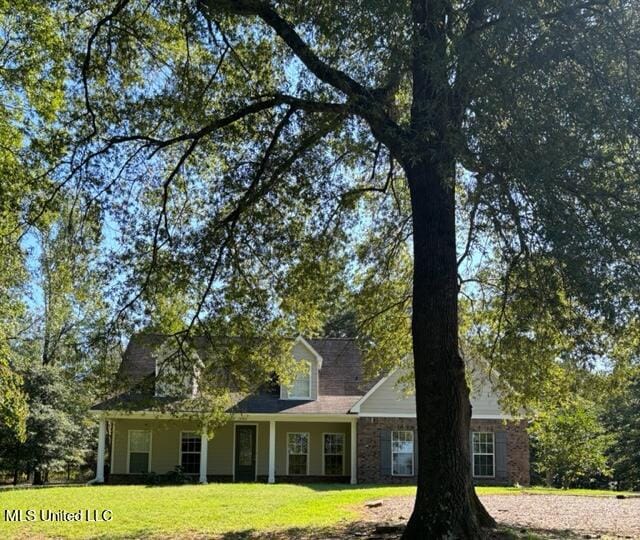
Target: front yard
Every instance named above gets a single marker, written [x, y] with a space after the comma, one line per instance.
[227, 510]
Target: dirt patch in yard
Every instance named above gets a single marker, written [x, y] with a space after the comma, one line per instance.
[519, 517]
[550, 516]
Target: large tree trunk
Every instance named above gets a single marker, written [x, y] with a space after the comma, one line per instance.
[38, 478]
[446, 504]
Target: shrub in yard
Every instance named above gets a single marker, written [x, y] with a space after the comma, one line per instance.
[171, 478]
[177, 477]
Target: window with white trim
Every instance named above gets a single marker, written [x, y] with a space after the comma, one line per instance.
[402, 453]
[190, 447]
[333, 454]
[301, 386]
[297, 453]
[139, 451]
[483, 454]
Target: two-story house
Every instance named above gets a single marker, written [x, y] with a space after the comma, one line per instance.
[330, 424]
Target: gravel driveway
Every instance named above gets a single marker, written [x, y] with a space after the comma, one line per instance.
[556, 516]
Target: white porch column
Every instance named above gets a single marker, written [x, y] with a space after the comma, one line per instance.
[272, 452]
[204, 449]
[354, 451]
[102, 431]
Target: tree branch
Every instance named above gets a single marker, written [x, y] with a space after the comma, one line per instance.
[87, 60]
[258, 106]
[369, 104]
[336, 78]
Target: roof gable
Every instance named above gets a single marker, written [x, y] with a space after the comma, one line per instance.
[387, 398]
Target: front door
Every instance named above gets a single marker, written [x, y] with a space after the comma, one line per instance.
[245, 458]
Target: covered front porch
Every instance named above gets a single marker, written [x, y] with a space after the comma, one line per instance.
[252, 447]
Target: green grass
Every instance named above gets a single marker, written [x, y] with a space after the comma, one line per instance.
[215, 509]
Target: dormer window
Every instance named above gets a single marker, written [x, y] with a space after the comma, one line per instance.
[301, 387]
[304, 385]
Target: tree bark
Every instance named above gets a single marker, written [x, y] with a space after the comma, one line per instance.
[16, 465]
[38, 479]
[446, 503]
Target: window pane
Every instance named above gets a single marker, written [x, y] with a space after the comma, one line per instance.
[191, 442]
[402, 452]
[403, 464]
[245, 447]
[333, 443]
[403, 446]
[483, 454]
[139, 441]
[297, 443]
[333, 464]
[483, 465]
[402, 441]
[139, 462]
[190, 446]
[301, 386]
[297, 450]
[190, 463]
[297, 464]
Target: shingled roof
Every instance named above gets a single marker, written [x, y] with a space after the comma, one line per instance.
[341, 380]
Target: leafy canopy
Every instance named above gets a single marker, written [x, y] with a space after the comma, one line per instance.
[249, 158]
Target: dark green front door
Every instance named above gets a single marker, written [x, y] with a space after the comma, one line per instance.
[245, 458]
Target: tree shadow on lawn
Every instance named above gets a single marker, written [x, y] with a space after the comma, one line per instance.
[346, 487]
[356, 530]
[375, 531]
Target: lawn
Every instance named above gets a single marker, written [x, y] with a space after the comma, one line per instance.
[215, 509]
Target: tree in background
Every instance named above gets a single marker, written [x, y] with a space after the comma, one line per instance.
[31, 80]
[50, 297]
[57, 429]
[622, 419]
[570, 443]
[243, 148]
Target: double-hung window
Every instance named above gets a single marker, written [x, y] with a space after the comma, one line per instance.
[483, 454]
[333, 454]
[139, 451]
[297, 453]
[301, 387]
[190, 443]
[402, 453]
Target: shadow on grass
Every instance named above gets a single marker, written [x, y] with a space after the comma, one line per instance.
[382, 532]
[364, 530]
[322, 487]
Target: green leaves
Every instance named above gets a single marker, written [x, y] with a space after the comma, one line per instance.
[570, 443]
[622, 419]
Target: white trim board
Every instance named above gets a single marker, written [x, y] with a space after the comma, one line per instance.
[358, 404]
[257, 417]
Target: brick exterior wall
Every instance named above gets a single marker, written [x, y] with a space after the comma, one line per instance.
[369, 461]
[369, 468]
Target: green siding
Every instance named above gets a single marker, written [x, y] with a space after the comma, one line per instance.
[165, 445]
